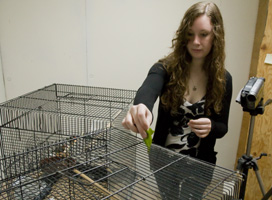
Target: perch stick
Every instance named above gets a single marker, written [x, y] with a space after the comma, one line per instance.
[96, 184]
[64, 154]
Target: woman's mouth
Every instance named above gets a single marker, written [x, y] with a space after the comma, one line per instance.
[196, 50]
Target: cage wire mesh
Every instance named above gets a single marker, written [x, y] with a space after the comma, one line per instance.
[67, 142]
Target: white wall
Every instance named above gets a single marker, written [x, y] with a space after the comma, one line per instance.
[112, 43]
[42, 42]
[2, 85]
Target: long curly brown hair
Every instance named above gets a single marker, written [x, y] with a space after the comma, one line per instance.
[177, 62]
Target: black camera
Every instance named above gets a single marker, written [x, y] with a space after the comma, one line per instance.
[251, 96]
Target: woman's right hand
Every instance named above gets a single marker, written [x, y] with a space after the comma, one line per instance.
[138, 119]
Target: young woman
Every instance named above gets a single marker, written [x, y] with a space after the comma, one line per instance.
[194, 87]
[195, 92]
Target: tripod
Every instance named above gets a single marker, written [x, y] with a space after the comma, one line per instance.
[247, 162]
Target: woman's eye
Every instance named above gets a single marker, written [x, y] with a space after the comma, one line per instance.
[204, 34]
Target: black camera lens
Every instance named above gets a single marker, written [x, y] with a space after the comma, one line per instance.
[251, 98]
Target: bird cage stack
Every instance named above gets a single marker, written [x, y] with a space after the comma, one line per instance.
[67, 142]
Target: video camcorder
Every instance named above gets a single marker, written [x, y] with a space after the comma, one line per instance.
[251, 95]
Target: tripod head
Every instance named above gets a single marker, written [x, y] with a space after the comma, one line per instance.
[258, 110]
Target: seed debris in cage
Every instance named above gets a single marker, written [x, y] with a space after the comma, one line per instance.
[67, 142]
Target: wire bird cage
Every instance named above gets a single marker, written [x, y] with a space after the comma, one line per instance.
[67, 142]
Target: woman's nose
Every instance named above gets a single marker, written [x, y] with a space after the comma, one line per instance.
[196, 40]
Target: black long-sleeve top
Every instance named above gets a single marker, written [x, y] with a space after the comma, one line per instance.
[154, 86]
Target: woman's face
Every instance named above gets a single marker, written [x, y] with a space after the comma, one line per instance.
[200, 38]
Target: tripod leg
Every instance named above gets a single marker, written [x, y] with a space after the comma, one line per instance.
[243, 185]
[268, 194]
[260, 181]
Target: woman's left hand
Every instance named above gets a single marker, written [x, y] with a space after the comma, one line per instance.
[201, 127]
